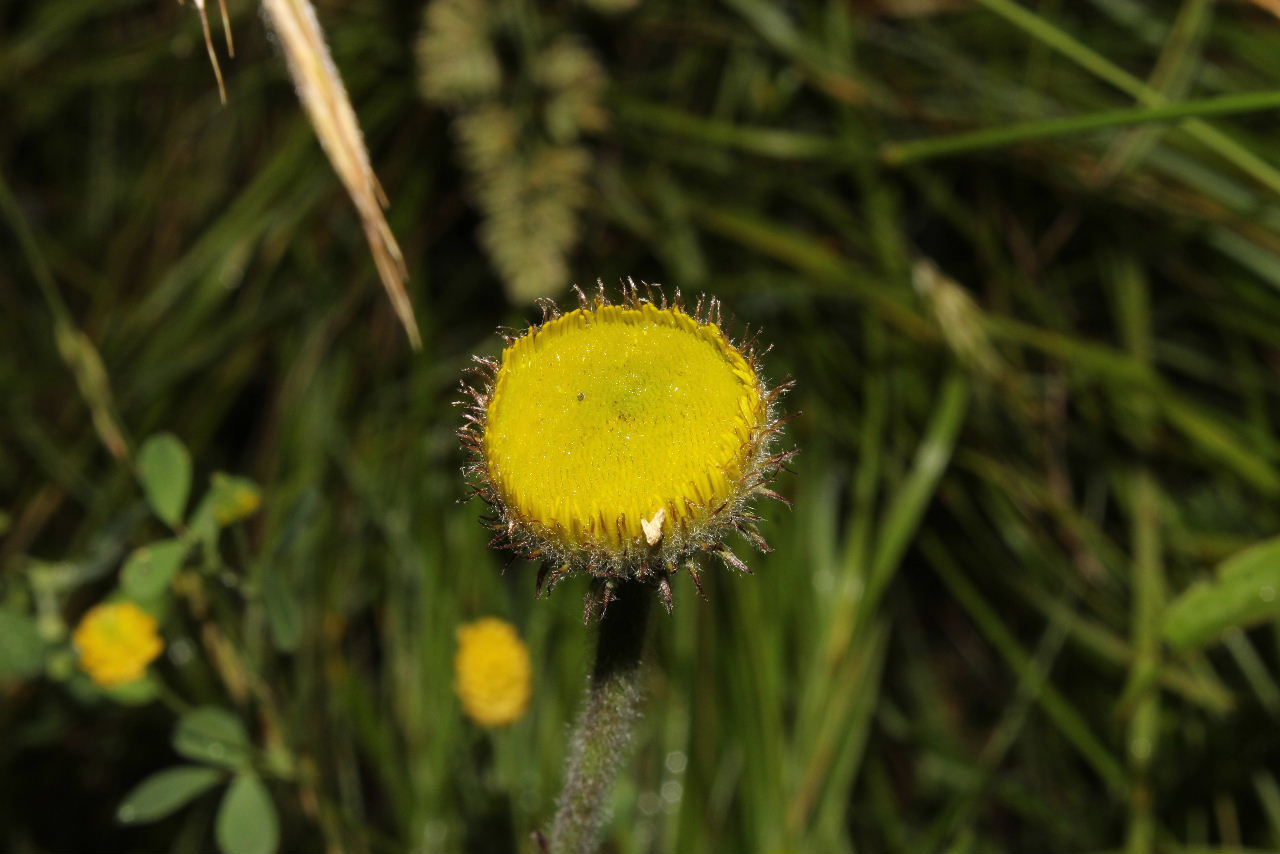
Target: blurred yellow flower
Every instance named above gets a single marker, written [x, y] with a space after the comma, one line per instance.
[116, 642]
[493, 672]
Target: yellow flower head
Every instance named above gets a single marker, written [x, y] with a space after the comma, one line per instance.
[116, 642]
[494, 675]
[623, 440]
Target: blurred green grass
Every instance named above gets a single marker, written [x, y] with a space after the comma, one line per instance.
[1039, 388]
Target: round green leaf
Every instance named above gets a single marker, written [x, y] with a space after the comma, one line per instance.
[212, 734]
[136, 693]
[247, 822]
[1245, 591]
[149, 569]
[21, 649]
[164, 466]
[165, 791]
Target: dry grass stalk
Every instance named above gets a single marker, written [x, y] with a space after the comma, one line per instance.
[208, 41]
[325, 98]
[82, 357]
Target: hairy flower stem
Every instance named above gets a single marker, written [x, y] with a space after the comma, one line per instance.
[603, 730]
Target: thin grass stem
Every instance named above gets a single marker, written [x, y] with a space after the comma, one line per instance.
[899, 153]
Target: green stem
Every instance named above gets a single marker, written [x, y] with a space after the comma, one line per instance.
[898, 153]
[603, 730]
[1098, 65]
[1142, 694]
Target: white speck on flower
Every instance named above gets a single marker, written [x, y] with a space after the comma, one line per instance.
[653, 527]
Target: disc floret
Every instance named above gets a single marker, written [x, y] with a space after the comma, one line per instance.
[623, 440]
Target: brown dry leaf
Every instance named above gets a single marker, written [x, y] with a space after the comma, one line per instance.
[1272, 6]
[321, 91]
